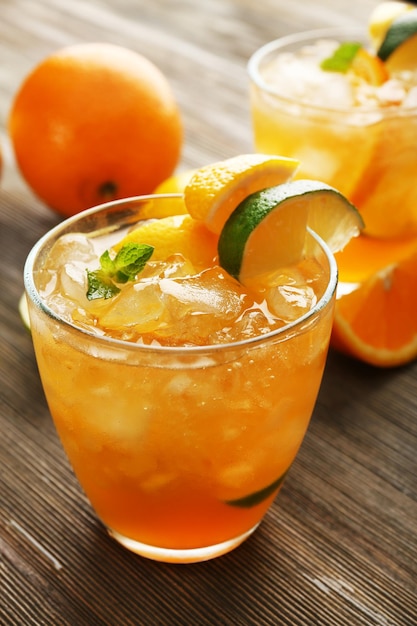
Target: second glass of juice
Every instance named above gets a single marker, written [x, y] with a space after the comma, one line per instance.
[181, 403]
[357, 136]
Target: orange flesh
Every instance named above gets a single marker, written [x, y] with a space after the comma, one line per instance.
[363, 256]
[377, 321]
[369, 67]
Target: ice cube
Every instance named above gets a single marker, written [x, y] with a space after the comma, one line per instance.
[69, 247]
[137, 309]
[253, 322]
[410, 99]
[73, 280]
[299, 76]
[391, 92]
[210, 292]
[64, 278]
[199, 306]
[290, 302]
[174, 266]
[291, 293]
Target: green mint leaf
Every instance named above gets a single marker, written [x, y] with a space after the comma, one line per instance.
[100, 285]
[341, 59]
[128, 262]
[131, 259]
[107, 263]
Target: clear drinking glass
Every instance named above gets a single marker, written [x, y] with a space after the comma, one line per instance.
[368, 152]
[180, 450]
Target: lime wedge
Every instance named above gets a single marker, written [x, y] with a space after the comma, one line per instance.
[257, 497]
[402, 29]
[383, 16]
[267, 230]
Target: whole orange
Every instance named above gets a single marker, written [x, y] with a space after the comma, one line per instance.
[94, 122]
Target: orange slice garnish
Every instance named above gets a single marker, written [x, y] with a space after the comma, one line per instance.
[215, 190]
[369, 67]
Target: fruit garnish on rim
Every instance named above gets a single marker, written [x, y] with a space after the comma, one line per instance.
[214, 191]
[393, 32]
[259, 235]
[383, 16]
[392, 29]
[267, 230]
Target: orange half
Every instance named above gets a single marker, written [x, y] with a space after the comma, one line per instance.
[363, 256]
[377, 322]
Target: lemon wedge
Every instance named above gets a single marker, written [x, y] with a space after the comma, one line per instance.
[382, 17]
[214, 191]
[175, 234]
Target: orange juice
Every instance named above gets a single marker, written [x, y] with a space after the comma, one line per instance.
[358, 136]
[182, 402]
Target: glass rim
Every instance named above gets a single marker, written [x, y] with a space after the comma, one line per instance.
[285, 332]
[257, 57]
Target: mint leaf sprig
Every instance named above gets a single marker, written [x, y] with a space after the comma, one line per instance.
[342, 58]
[126, 265]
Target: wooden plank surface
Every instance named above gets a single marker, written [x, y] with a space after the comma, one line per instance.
[339, 546]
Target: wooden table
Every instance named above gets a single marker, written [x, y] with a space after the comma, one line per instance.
[339, 546]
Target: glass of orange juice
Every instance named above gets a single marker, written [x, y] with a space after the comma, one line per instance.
[181, 403]
[354, 129]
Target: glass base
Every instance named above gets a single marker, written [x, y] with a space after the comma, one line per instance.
[188, 555]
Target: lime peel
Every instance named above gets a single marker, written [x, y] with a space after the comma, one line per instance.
[254, 219]
[268, 229]
[401, 29]
[257, 497]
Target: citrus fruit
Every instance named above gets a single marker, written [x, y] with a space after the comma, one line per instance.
[94, 122]
[267, 230]
[405, 56]
[174, 184]
[377, 322]
[386, 195]
[176, 234]
[399, 46]
[364, 256]
[382, 17]
[214, 191]
[353, 58]
[369, 67]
